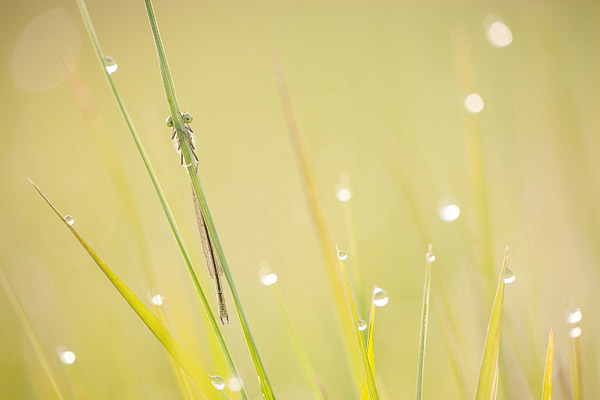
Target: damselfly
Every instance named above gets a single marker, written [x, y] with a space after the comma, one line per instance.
[189, 134]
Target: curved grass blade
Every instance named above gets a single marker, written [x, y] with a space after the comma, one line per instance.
[189, 156]
[163, 201]
[368, 372]
[424, 321]
[547, 387]
[489, 359]
[364, 395]
[33, 339]
[179, 354]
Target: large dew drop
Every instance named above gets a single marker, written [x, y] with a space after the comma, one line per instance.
[65, 355]
[447, 210]
[575, 332]
[474, 103]
[343, 192]
[361, 324]
[110, 64]
[70, 220]
[217, 382]
[574, 316]
[509, 276]
[266, 276]
[342, 255]
[380, 297]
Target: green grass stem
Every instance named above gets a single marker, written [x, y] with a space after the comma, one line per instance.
[424, 321]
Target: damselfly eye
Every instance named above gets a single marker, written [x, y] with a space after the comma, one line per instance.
[187, 117]
[169, 121]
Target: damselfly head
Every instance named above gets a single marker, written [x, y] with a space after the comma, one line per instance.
[187, 117]
[169, 121]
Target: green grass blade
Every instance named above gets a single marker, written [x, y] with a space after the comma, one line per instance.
[188, 156]
[489, 360]
[162, 198]
[179, 354]
[424, 321]
[364, 395]
[368, 372]
[305, 363]
[547, 387]
[35, 343]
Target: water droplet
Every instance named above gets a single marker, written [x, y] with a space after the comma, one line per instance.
[574, 316]
[266, 276]
[235, 384]
[156, 298]
[70, 220]
[498, 34]
[361, 324]
[343, 192]
[575, 332]
[509, 275]
[110, 64]
[447, 210]
[474, 103]
[66, 356]
[169, 121]
[430, 257]
[217, 382]
[342, 255]
[380, 297]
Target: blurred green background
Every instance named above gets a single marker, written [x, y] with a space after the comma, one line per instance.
[378, 88]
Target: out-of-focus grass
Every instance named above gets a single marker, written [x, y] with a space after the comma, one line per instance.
[376, 91]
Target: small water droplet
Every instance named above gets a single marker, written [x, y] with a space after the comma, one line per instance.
[65, 355]
[343, 192]
[342, 255]
[447, 210]
[156, 298]
[380, 297]
[110, 64]
[430, 257]
[70, 220]
[235, 384]
[509, 275]
[217, 382]
[474, 103]
[266, 276]
[575, 332]
[574, 316]
[361, 324]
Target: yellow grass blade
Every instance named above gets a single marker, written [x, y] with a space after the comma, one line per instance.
[489, 360]
[429, 257]
[179, 354]
[368, 372]
[547, 388]
[364, 395]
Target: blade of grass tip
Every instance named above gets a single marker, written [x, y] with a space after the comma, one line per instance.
[489, 359]
[189, 157]
[364, 395]
[574, 334]
[299, 349]
[319, 221]
[368, 372]
[429, 257]
[163, 201]
[31, 336]
[547, 386]
[179, 354]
